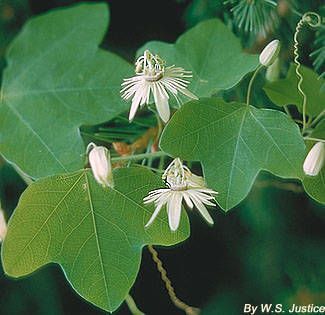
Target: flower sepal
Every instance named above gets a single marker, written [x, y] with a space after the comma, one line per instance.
[100, 163]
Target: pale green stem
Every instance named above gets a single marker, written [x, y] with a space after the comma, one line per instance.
[25, 177]
[161, 163]
[298, 121]
[157, 170]
[314, 139]
[286, 109]
[251, 83]
[148, 150]
[280, 185]
[317, 119]
[132, 306]
[297, 69]
[139, 156]
[309, 18]
[160, 125]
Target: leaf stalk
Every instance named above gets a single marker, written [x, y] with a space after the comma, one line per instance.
[251, 83]
[139, 156]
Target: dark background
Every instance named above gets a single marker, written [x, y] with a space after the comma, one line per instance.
[269, 249]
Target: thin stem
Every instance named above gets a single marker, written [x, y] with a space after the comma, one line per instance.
[296, 12]
[317, 119]
[28, 180]
[314, 139]
[160, 126]
[157, 170]
[286, 109]
[148, 150]
[279, 185]
[299, 75]
[189, 310]
[161, 163]
[251, 83]
[132, 306]
[306, 18]
[139, 156]
[298, 121]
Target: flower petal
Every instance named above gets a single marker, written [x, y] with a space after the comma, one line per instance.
[154, 215]
[157, 196]
[161, 102]
[202, 209]
[135, 104]
[189, 94]
[188, 200]
[174, 208]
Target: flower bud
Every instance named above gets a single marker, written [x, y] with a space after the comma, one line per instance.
[3, 226]
[273, 71]
[269, 53]
[315, 159]
[100, 163]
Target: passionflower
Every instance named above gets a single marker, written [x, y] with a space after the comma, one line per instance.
[182, 185]
[270, 53]
[315, 159]
[154, 78]
[100, 163]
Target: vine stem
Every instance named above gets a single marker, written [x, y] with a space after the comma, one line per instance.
[189, 310]
[317, 119]
[132, 305]
[306, 18]
[159, 123]
[287, 111]
[139, 156]
[24, 176]
[250, 84]
[279, 185]
[314, 139]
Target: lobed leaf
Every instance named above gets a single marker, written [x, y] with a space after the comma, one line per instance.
[234, 142]
[285, 91]
[96, 234]
[58, 79]
[213, 54]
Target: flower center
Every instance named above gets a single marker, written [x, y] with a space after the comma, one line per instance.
[154, 77]
[177, 176]
[150, 66]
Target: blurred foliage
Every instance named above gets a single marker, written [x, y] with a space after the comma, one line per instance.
[318, 54]
[257, 22]
[12, 15]
[255, 17]
[280, 256]
[31, 299]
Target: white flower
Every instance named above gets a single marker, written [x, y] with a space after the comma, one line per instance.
[179, 176]
[153, 77]
[315, 159]
[273, 71]
[183, 185]
[3, 226]
[270, 53]
[100, 163]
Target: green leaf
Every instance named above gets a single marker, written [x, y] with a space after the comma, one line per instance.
[315, 185]
[234, 142]
[96, 234]
[211, 52]
[285, 91]
[58, 79]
